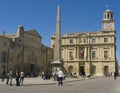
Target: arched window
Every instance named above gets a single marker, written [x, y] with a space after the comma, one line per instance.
[107, 16]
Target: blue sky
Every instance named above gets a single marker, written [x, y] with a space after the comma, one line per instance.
[76, 16]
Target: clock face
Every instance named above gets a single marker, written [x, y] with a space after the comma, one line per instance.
[108, 24]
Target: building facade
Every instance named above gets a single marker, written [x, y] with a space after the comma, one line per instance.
[92, 53]
[24, 51]
[4, 51]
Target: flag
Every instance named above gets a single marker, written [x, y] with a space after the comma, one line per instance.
[82, 54]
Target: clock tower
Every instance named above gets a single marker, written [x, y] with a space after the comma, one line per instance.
[108, 23]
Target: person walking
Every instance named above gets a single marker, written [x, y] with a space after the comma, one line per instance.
[7, 80]
[21, 77]
[60, 77]
[17, 76]
[10, 77]
[55, 75]
[115, 75]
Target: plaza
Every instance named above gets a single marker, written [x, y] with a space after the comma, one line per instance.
[95, 85]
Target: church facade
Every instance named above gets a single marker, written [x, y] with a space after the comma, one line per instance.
[24, 51]
[92, 53]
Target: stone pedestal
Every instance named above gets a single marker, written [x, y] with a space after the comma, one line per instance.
[56, 65]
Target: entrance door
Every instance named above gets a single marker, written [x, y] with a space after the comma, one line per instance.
[32, 68]
[93, 70]
[82, 72]
[105, 70]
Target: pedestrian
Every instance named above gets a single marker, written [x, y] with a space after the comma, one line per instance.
[7, 80]
[55, 76]
[60, 77]
[17, 76]
[10, 77]
[21, 77]
[115, 75]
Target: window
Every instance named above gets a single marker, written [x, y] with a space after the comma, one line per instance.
[71, 55]
[105, 39]
[93, 40]
[20, 40]
[82, 54]
[71, 41]
[108, 16]
[4, 44]
[105, 16]
[105, 54]
[3, 57]
[93, 54]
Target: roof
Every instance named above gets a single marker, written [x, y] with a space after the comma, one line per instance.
[108, 10]
[33, 32]
[1, 36]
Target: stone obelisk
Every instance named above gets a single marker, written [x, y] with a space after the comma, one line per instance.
[57, 63]
[57, 49]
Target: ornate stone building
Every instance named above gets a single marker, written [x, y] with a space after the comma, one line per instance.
[24, 51]
[90, 52]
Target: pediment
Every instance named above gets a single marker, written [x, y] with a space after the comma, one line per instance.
[33, 32]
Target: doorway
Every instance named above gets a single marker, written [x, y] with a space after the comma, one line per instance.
[32, 68]
[81, 70]
[105, 70]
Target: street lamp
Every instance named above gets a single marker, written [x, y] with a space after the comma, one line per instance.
[8, 60]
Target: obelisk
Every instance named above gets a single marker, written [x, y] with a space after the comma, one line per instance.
[57, 63]
[57, 48]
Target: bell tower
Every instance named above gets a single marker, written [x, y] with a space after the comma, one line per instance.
[108, 22]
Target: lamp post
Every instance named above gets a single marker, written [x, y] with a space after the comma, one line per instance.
[8, 60]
